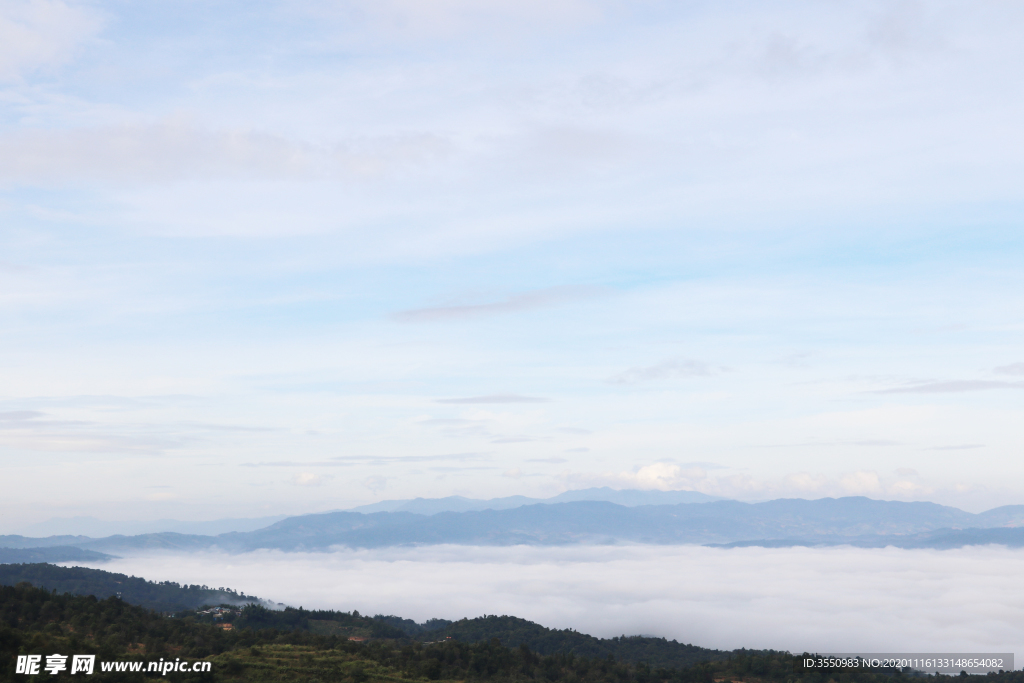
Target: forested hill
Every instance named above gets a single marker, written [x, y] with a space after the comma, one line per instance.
[170, 597]
[513, 632]
[166, 596]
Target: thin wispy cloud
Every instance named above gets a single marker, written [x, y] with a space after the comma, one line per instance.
[301, 463]
[1011, 369]
[350, 461]
[952, 387]
[20, 416]
[230, 428]
[448, 469]
[863, 443]
[520, 302]
[494, 398]
[32, 430]
[447, 422]
[668, 369]
[178, 150]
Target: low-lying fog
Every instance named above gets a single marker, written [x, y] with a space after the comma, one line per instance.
[797, 599]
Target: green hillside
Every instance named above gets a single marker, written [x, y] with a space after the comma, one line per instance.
[513, 632]
[166, 596]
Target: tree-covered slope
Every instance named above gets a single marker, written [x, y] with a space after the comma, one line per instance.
[165, 596]
[513, 631]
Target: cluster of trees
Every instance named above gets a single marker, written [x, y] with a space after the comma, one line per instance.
[513, 632]
[413, 629]
[490, 660]
[257, 617]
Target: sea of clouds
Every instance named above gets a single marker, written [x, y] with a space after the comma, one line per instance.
[797, 599]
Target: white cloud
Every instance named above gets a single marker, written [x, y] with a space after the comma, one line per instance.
[861, 484]
[310, 479]
[806, 483]
[666, 476]
[796, 599]
[662, 476]
[376, 483]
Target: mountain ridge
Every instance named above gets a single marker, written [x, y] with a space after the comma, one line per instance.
[826, 521]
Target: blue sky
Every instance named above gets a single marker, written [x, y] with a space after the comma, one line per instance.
[265, 258]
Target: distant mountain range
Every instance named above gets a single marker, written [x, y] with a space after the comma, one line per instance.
[93, 527]
[854, 521]
[98, 528]
[627, 498]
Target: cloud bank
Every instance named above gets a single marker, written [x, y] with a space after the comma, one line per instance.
[836, 599]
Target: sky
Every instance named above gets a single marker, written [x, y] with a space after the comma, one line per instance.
[277, 258]
[839, 600]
